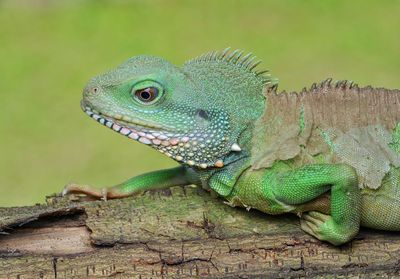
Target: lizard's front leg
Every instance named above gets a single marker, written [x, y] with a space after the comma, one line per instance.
[160, 179]
[299, 186]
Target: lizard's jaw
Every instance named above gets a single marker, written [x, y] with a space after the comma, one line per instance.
[183, 148]
[148, 135]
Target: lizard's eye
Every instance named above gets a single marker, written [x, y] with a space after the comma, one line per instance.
[146, 95]
[147, 92]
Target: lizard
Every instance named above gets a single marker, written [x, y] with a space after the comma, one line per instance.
[329, 153]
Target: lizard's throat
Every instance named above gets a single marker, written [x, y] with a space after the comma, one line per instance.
[194, 149]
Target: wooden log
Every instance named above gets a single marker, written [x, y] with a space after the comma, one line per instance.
[179, 233]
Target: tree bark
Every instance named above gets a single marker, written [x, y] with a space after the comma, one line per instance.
[179, 233]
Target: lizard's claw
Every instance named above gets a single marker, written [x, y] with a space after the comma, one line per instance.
[323, 227]
[87, 190]
[101, 194]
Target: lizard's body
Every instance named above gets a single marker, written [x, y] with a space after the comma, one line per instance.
[331, 154]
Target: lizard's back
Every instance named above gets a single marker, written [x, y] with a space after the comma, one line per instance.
[339, 123]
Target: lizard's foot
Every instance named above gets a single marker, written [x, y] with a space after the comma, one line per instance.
[104, 193]
[324, 228]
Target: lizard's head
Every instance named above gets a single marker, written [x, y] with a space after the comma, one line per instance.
[194, 114]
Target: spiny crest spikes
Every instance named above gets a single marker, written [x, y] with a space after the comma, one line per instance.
[247, 62]
[329, 84]
[321, 87]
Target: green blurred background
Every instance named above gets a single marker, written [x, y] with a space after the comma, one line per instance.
[49, 49]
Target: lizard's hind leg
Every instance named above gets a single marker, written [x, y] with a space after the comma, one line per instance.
[299, 186]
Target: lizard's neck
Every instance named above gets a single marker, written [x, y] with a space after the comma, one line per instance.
[234, 161]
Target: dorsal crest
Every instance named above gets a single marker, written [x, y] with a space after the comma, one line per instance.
[341, 104]
[236, 58]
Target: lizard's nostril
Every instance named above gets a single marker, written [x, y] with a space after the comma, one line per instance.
[91, 90]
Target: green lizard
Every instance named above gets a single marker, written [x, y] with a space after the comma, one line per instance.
[330, 154]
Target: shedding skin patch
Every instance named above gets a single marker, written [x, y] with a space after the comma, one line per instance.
[367, 149]
[286, 131]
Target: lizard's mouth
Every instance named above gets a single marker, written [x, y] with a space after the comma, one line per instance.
[187, 149]
[143, 132]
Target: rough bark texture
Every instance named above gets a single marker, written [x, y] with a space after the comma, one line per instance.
[180, 233]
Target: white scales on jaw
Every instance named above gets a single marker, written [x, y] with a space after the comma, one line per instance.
[189, 149]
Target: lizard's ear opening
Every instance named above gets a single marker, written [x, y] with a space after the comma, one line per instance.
[147, 92]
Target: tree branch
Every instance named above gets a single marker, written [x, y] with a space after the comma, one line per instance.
[182, 232]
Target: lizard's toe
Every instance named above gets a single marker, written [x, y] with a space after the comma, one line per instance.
[87, 190]
[324, 228]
